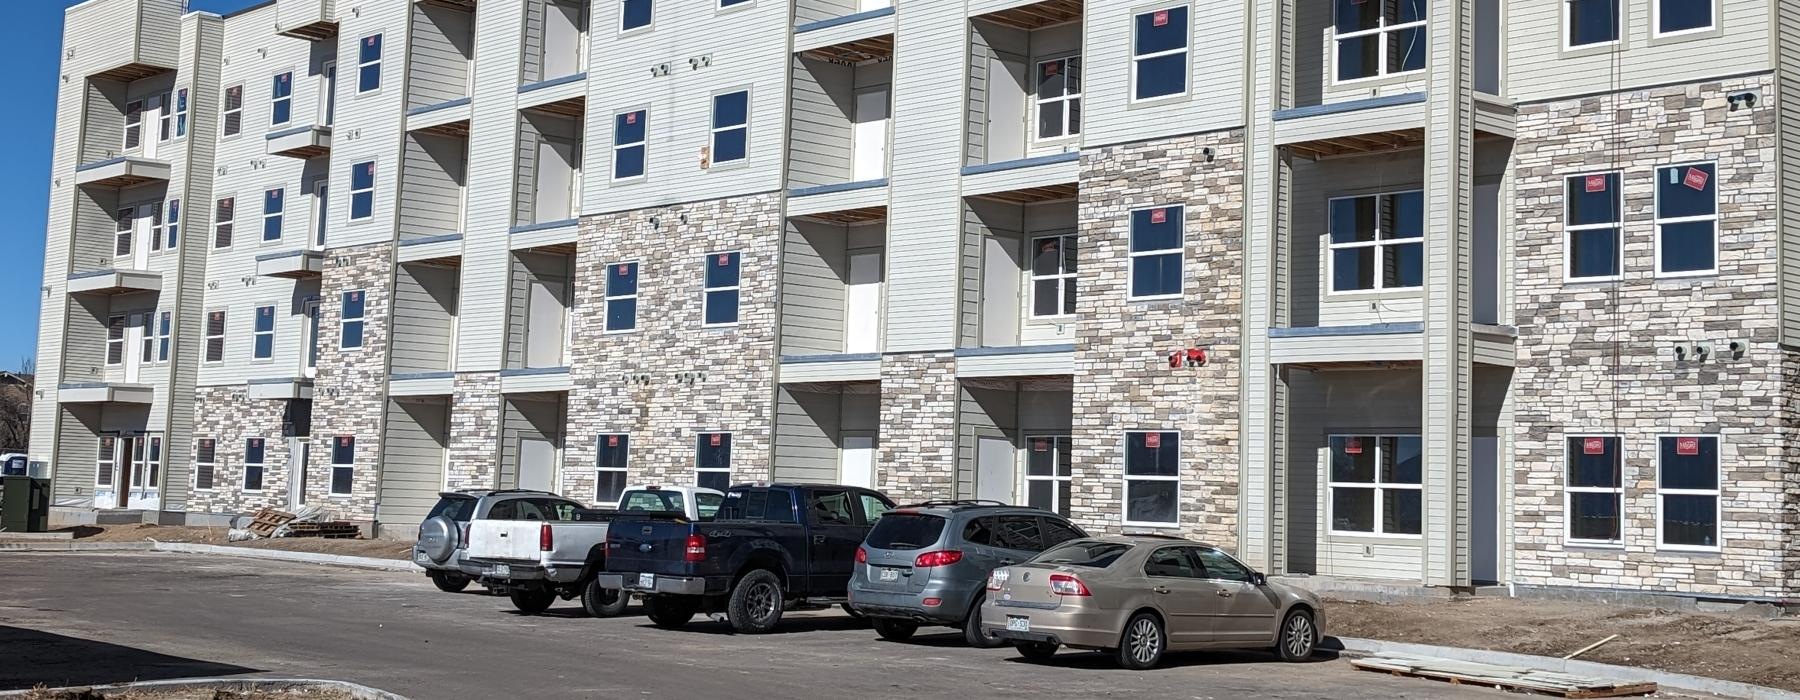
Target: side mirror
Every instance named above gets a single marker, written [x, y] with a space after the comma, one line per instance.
[1258, 579]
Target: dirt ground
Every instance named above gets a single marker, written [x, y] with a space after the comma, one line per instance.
[150, 694]
[1740, 648]
[384, 549]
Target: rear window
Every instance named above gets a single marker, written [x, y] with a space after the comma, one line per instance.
[906, 531]
[707, 504]
[458, 508]
[651, 501]
[1092, 553]
[771, 505]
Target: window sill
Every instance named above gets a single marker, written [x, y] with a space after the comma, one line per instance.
[1154, 526]
[1594, 545]
[1158, 101]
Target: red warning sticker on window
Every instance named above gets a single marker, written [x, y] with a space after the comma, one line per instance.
[1696, 178]
[1153, 440]
[1160, 18]
[623, 269]
[1040, 445]
[344, 441]
[1353, 446]
[612, 441]
[1596, 183]
[1593, 446]
[724, 259]
[1052, 68]
[1158, 216]
[717, 439]
[1687, 445]
[631, 117]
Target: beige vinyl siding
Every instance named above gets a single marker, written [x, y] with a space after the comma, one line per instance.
[1215, 76]
[424, 318]
[983, 412]
[527, 266]
[1787, 83]
[77, 444]
[813, 269]
[819, 131]
[431, 194]
[928, 96]
[814, 10]
[103, 120]
[443, 46]
[377, 132]
[412, 463]
[1539, 69]
[536, 417]
[1326, 403]
[481, 334]
[806, 435]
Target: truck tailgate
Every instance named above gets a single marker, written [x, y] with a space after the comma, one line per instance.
[515, 540]
[655, 545]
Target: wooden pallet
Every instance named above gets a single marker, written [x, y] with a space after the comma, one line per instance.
[265, 521]
[1514, 678]
[332, 530]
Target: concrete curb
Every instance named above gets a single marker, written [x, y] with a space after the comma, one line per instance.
[76, 546]
[359, 692]
[1665, 679]
[222, 550]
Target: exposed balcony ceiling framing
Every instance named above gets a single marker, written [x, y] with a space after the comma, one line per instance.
[1054, 383]
[1034, 195]
[875, 48]
[848, 216]
[1360, 144]
[1037, 15]
[571, 107]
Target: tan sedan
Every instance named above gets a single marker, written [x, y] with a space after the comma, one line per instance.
[1141, 596]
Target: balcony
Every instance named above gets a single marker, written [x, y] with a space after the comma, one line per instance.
[113, 282]
[279, 389]
[424, 317]
[1018, 447]
[440, 53]
[291, 264]
[838, 131]
[548, 190]
[831, 27]
[449, 118]
[538, 311]
[1019, 270]
[122, 171]
[827, 434]
[312, 20]
[556, 36]
[1024, 95]
[122, 40]
[300, 142]
[432, 187]
[831, 288]
[105, 392]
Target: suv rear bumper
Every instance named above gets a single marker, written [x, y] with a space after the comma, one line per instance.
[907, 606]
[671, 585]
[483, 570]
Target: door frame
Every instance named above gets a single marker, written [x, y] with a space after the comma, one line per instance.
[299, 453]
[843, 440]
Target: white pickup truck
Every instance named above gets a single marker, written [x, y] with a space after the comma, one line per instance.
[547, 552]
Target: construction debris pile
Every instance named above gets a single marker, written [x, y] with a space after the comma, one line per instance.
[310, 521]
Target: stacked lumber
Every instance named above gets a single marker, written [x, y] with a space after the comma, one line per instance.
[1514, 678]
[264, 522]
[336, 530]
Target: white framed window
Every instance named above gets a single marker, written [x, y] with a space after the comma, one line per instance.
[104, 460]
[181, 112]
[1157, 242]
[134, 124]
[1377, 242]
[172, 225]
[636, 14]
[727, 4]
[281, 98]
[1159, 53]
[362, 191]
[721, 294]
[273, 206]
[254, 450]
[1687, 492]
[205, 463]
[165, 116]
[223, 212]
[1152, 478]
[262, 336]
[352, 304]
[368, 64]
[1589, 23]
[156, 226]
[630, 154]
[712, 461]
[1375, 484]
[232, 119]
[124, 229]
[621, 297]
[215, 336]
[1053, 276]
[1593, 217]
[1049, 468]
[612, 464]
[730, 127]
[153, 459]
[146, 323]
[1058, 98]
[115, 340]
[343, 465]
[1676, 17]
[165, 327]
[1687, 220]
[1379, 39]
[1594, 490]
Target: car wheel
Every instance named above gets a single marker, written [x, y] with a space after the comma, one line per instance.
[1143, 643]
[895, 630]
[972, 631]
[448, 582]
[603, 602]
[532, 601]
[1299, 637]
[756, 602]
[1036, 651]
[669, 612]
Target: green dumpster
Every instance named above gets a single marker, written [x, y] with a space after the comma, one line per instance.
[24, 504]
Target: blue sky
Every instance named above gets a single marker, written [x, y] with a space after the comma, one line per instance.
[30, 40]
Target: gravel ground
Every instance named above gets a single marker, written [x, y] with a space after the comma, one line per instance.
[383, 549]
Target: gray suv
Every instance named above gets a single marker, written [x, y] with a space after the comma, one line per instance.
[928, 564]
[443, 536]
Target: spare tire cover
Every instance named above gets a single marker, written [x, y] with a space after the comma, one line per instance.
[437, 538]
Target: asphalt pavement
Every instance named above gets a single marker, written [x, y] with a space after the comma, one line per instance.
[72, 619]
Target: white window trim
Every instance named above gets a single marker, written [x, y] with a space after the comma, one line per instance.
[280, 216]
[331, 476]
[274, 100]
[1656, 21]
[647, 26]
[1618, 493]
[217, 222]
[165, 330]
[712, 140]
[171, 230]
[125, 229]
[362, 339]
[1381, 51]
[147, 343]
[350, 203]
[153, 458]
[125, 134]
[1717, 493]
[1180, 251]
[1187, 63]
[257, 334]
[1568, 28]
[207, 336]
[699, 470]
[194, 477]
[244, 483]
[607, 299]
[1055, 479]
[124, 327]
[1378, 486]
[226, 112]
[1656, 213]
[165, 116]
[179, 106]
[626, 470]
[158, 223]
[1063, 277]
[612, 172]
[1377, 243]
[1618, 227]
[719, 6]
[705, 291]
[108, 458]
[380, 53]
[1126, 477]
[1067, 98]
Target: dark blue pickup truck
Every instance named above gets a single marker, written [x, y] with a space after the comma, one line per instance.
[769, 547]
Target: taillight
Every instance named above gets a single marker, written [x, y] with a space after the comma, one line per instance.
[940, 558]
[862, 555]
[696, 548]
[1064, 584]
[546, 541]
[997, 579]
[463, 541]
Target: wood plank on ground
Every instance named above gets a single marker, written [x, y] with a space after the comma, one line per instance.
[1516, 678]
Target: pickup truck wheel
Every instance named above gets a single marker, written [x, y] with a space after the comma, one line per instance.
[756, 602]
[603, 602]
[532, 602]
[972, 631]
[669, 612]
[895, 630]
[448, 582]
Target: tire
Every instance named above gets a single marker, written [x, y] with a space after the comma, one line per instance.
[853, 613]
[603, 602]
[532, 601]
[669, 612]
[756, 603]
[448, 582]
[1142, 643]
[972, 632]
[1299, 637]
[895, 630]
[1036, 651]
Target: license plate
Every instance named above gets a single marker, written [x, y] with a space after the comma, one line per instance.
[888, 574]
[420, 557]
[500, 570]
[1018, 624]
[647, 581]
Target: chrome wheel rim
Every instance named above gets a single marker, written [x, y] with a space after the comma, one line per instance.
[762, 601]
[1299, 637]
[1145, 641]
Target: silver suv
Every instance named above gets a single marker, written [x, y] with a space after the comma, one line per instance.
[443, 536]
[927, 564]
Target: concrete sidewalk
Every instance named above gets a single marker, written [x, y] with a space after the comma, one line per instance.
[222, 550]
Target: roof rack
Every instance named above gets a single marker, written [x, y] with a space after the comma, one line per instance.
[958, 502]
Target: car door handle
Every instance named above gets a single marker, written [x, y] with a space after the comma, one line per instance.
[1224, 593]
[1159, 589]
[1007, 562]
[818, 539]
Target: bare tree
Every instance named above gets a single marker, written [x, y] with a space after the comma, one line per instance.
[15, 407]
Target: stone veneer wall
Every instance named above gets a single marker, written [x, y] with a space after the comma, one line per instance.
[633, 382]
[915, 458]
[350, 392]
[1122, 379]
[475, 410]
[227, 415]
[1595, 358]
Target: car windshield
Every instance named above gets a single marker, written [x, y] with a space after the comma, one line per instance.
[652, 501]
[897, 530]
[459, 508]
[1093, 553]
